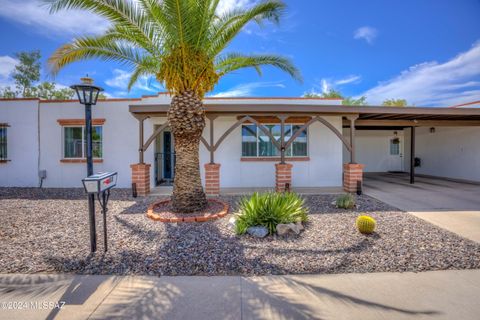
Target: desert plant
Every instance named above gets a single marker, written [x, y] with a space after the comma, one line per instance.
[345, 201]
[270, 209]
[184, 45]
[366, 224]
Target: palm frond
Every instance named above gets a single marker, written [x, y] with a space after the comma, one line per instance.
[235, 61]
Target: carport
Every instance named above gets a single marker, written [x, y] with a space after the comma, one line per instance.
[412, 119]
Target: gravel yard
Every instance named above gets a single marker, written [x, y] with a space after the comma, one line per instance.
[47, 231]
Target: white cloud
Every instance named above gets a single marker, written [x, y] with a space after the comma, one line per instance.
[227, 5]
[366, 33]
[327, 84]
[34, 13]
[347, 80]
[247, 89]
[7, 65]
[433, 83]
[120, 81]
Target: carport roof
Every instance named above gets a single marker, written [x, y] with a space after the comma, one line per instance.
[367, 115]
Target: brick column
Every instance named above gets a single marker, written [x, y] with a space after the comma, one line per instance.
[212, 179]
[141, 177]
[352, 172]
[283, 175]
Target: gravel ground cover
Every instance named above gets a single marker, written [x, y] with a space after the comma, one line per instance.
[47, 231]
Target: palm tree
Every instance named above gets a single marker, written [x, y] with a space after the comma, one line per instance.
[182, 43]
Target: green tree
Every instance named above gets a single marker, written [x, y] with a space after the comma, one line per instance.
[349, 101]
[27, 71]
[395, 103]
[182, 43]
[49, 91]
[7, 93]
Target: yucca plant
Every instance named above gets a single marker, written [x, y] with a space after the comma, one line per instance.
[183, 44]
[269, 209]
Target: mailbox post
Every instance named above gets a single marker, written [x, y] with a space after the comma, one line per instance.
[100, 184]
[87, 95]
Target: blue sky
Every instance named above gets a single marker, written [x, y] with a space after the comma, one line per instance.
[425, 51]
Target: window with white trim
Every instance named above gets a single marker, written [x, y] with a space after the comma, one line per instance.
[255, 143]
[75, 145]
[3, 143]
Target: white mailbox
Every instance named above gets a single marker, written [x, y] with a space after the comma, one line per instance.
[100, 182]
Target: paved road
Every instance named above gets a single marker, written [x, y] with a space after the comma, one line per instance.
[426, 295]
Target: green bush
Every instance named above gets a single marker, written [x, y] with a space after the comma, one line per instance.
[269, 209]
[345, 201]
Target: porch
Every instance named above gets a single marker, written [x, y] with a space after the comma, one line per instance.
[340, 125]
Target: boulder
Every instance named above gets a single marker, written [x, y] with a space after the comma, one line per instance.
[285, 228]
[258, 231]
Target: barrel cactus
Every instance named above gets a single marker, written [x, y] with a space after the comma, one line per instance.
[366, 224]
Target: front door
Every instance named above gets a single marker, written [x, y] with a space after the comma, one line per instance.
[395, 158]
[167, 156]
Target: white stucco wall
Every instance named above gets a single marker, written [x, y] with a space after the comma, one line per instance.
[323, 169]
[22, 139]
[373, 149]
[451, 152]
[120, 142]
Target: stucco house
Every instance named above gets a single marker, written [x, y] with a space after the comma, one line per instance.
[42, 143]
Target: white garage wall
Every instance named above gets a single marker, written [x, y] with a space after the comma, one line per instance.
[450, 152]
[372, 148]
[22, 143]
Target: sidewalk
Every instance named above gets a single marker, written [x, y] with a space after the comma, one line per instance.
[428, 295]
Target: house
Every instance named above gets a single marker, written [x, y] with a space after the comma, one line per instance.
[42, 143]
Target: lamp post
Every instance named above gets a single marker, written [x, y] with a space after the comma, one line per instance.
[88, 94]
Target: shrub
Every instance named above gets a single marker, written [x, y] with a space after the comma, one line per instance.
[366, 224]
[268, 210]
[345, 201]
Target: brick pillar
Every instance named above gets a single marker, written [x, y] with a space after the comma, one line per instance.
[141, 177]
[212, 179]
[352, 172]
[283, 175]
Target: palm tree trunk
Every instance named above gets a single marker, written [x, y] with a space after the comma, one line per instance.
[186, 117]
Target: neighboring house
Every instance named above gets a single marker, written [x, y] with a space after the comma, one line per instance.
[38, 135]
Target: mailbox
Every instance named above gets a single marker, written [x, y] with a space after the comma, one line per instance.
[100, 182]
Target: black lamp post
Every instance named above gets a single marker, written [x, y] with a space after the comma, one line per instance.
[88, 94]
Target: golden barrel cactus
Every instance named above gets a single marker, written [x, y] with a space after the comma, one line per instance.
[366, 224]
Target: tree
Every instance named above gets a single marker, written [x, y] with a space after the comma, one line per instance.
[27, 71]
[395, 103]
[334, 94]
[183, 44]
[48, 91]
[349, 101]
[7, 93]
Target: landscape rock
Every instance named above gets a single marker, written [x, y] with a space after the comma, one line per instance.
[231, 223]
[258, 231]
[285, 228]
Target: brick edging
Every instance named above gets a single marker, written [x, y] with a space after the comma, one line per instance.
[156, 217]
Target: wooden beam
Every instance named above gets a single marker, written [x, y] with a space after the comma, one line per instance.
[418, 123]
[412, 155]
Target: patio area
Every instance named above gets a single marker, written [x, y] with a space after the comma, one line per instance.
[46, 230]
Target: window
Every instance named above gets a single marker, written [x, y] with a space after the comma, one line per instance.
[75, 145]
[3, 142]
[394, 147]
[255, 143]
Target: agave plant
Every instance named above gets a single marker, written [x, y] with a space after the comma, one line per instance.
[269, 209]
[183, 44]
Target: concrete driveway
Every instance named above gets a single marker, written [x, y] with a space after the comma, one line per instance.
[451, 205]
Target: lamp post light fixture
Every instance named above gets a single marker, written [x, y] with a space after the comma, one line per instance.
[87, 95]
